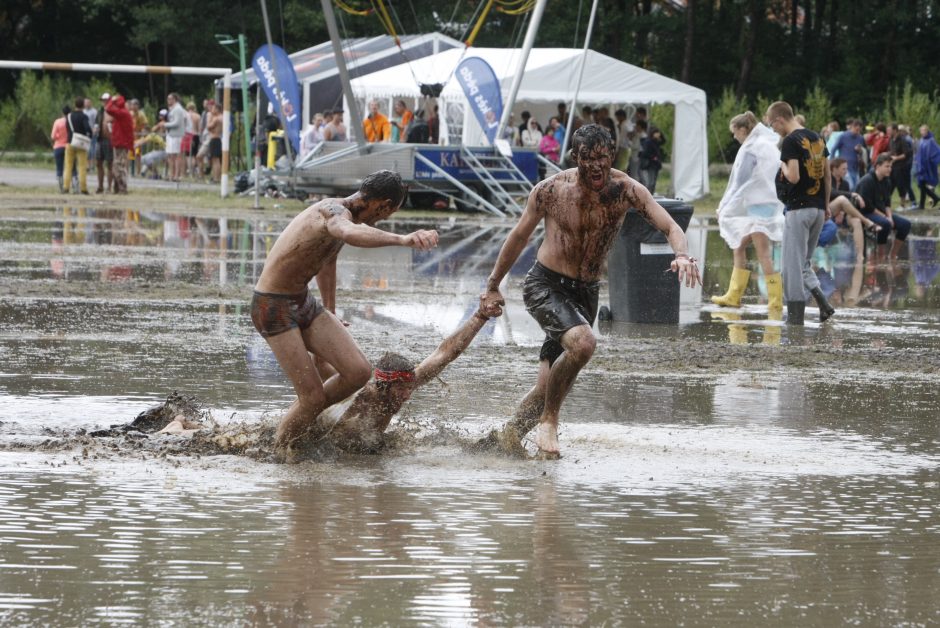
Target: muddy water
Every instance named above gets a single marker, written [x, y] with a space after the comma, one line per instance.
[724, 471]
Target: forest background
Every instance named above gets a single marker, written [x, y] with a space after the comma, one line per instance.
[832, 59]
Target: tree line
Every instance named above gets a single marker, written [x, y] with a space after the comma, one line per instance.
[856, 51]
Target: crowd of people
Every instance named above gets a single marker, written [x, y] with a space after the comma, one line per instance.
[117, 140]
[639, 144]
[792, 185]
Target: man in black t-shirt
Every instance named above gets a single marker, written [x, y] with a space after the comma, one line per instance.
[805, 170]
[875, 190]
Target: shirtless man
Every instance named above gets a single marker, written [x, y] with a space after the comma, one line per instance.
[583, 209]
[290, 318]
[358, 426]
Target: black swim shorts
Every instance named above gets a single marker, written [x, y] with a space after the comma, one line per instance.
[558, 303]
[274, 314]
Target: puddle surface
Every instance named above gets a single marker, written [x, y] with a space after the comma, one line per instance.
[723, 471]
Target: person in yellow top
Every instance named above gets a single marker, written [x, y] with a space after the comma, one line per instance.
[376, 126]
[400, 120]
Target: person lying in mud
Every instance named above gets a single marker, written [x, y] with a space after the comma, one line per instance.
[359, 425]
[583, 209]
[299, 329]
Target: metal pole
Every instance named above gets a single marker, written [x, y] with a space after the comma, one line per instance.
[574, 99]
[355, 116]
[226, 128]
[245, 120]
[520, 70]
[257, 147]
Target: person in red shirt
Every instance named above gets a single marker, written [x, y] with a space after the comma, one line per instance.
[878, 140]
[122, 140]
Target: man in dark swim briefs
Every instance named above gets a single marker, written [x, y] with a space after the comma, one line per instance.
[583, 209]
[289, 317]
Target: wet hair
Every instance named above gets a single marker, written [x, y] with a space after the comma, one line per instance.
[882, 157]
[392, 362]
[590, 137]
[382, 185]
[780, 109]
[835, 162]
[746, 120]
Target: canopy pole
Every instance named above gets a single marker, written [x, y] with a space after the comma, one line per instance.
[574, 99]
[520, 70]
[226, 129]
[355, 117]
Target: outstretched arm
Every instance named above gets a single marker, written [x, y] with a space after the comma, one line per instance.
[452, 346]
[365, 236]
[513, 246]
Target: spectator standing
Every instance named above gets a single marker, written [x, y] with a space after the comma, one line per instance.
[875, 189]
[624, 131]
[532, 136]
[214, 124]
[902, 154]
[141, 126]
[77, 122]
[313, 135]
[122, 140]
[60, 139]
[834, 133]
[190, 146]
[849, 146]
[805, 168]
[401, 118]
[418, 131]
[749, 211]
[925, 166]
[175, 130]
[549, 146]
[376, 126]
[92, 114]
[104, 155]
[879, 141]
[335, 130]
[651, 156]
[526, 116]
[434, 127]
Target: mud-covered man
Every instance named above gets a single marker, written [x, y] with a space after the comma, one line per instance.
[359, 425]
[583, 209]
[295, 324]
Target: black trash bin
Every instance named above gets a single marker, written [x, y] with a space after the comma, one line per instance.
[641, 291]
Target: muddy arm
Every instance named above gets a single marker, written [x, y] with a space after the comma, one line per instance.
[326, 282]
[450, 349]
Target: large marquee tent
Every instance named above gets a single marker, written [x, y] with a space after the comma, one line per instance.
[551, 76]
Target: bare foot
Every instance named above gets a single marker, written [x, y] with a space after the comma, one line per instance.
[546, 439]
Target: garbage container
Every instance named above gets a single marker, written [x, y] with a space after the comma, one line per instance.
[641, 291]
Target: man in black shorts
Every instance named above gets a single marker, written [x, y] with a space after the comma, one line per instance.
[583, 209]
[289, 317]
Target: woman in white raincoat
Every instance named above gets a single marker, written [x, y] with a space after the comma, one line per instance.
[750, 210]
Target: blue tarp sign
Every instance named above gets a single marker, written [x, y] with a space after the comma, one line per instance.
[289, 100]
[481, 86]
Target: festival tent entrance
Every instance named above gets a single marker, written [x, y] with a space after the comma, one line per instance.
[551, 76]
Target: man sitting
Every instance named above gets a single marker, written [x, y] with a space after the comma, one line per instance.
[875, 190]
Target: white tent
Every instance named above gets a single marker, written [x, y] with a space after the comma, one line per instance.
[551, 76]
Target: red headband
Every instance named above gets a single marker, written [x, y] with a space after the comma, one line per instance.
[394, 376]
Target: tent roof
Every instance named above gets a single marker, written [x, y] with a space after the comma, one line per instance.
[319, 61]
[551, 74]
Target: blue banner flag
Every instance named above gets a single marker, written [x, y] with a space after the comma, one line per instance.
[481, 86]
[263, 63]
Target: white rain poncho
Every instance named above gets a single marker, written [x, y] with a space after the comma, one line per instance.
[750, 203]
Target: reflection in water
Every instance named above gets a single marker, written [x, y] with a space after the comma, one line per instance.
[715, 496]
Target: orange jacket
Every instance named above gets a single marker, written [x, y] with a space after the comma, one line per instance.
[377, 129]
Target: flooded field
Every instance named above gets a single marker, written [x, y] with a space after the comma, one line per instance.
[725, 470]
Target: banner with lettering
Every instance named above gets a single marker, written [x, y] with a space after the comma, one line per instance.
[481, 87]
[264, 62]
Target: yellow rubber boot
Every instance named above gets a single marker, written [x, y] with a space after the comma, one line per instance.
[774, 295]
[732, 298]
